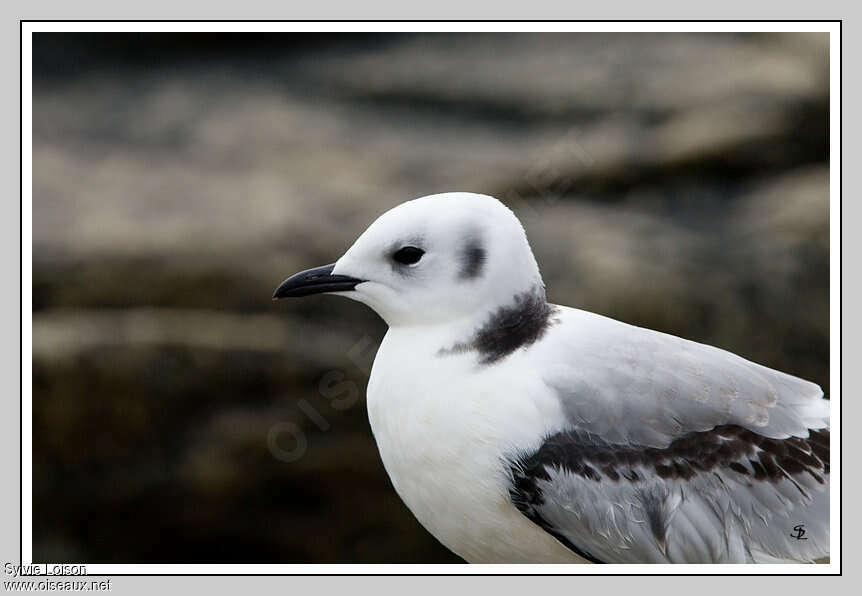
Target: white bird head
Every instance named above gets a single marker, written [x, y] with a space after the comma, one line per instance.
[434, 259]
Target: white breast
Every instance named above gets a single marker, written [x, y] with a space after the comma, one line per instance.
[443, 433]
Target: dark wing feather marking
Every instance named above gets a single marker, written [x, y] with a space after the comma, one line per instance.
[726, 447]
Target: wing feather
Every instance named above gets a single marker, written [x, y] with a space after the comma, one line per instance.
[674, 451]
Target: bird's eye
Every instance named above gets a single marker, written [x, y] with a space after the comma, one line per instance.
[408, 255]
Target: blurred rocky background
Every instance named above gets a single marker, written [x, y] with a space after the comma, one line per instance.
[674, 181]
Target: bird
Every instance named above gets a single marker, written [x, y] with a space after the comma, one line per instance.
[520, 431]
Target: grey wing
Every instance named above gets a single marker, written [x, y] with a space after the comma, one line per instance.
[676, 452]
[723, 496]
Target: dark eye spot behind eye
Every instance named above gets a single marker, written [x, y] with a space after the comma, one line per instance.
[473, 259]
[408, 255]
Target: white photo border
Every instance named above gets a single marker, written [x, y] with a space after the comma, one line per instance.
[835, 146]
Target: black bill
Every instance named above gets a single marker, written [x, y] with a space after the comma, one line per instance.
[314, 281]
